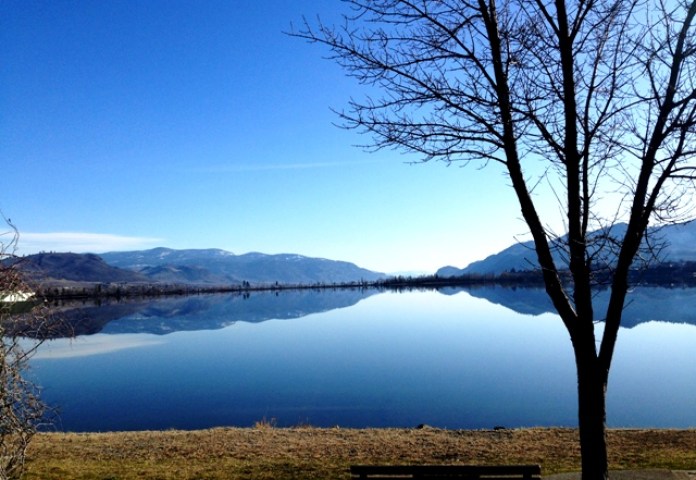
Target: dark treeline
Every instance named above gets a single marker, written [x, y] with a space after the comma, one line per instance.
[683, 273]
[106, 290]
[662, 274]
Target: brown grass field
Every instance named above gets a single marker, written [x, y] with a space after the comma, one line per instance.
[265, 452]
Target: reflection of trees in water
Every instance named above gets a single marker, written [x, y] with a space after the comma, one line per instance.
[215, 311]
[644, 304]
[199, 312]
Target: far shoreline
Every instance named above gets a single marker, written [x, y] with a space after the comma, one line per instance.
[64, 290]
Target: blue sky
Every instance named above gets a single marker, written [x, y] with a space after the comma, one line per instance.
[131, 124]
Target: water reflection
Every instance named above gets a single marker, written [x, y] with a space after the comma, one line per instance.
[357, 359]
[214, 311]
[197, 312]
[644, 304]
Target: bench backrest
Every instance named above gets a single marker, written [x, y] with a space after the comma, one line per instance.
[470, 472]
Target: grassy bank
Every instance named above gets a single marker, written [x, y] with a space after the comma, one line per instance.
[312, 453]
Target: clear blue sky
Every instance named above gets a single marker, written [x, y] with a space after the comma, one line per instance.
[131, 124]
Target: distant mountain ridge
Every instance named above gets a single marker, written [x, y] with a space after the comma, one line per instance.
[678, 245]
[215, 266]
[190, 267]
[74, 267]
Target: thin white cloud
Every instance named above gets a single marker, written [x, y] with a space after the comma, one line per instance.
[81, 242]
[265, 167]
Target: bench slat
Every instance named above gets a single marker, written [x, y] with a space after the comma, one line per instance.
[482, 472]
[442, 476]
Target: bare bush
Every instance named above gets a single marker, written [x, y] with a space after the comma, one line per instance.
[21, 409]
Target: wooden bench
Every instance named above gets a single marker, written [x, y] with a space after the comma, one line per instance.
[470, 472]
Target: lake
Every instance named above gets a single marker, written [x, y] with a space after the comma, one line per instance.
[453, 358]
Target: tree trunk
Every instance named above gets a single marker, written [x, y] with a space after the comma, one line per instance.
[592, 387]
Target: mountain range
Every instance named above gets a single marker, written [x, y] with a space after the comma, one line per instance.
[676, 245]
[221, 266]
[200, 267]
[671, 244]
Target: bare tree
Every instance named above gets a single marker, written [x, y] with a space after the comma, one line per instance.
[21, 409]
[590, 101]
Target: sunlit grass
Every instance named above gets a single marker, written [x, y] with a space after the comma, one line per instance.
[266, 452]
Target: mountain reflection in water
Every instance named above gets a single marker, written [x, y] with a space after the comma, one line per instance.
[643, 304]
[361, 358]
[198, 312]
[214, 311]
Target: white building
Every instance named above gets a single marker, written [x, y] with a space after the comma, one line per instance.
[15, 297]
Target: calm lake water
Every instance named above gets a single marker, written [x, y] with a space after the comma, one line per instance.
[452, 358]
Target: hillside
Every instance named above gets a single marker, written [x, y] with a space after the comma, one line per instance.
[214, 266]
[189, 267]
[676, 244]
[53, 267]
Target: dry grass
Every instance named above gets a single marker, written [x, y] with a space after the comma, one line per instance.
[311, 453]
